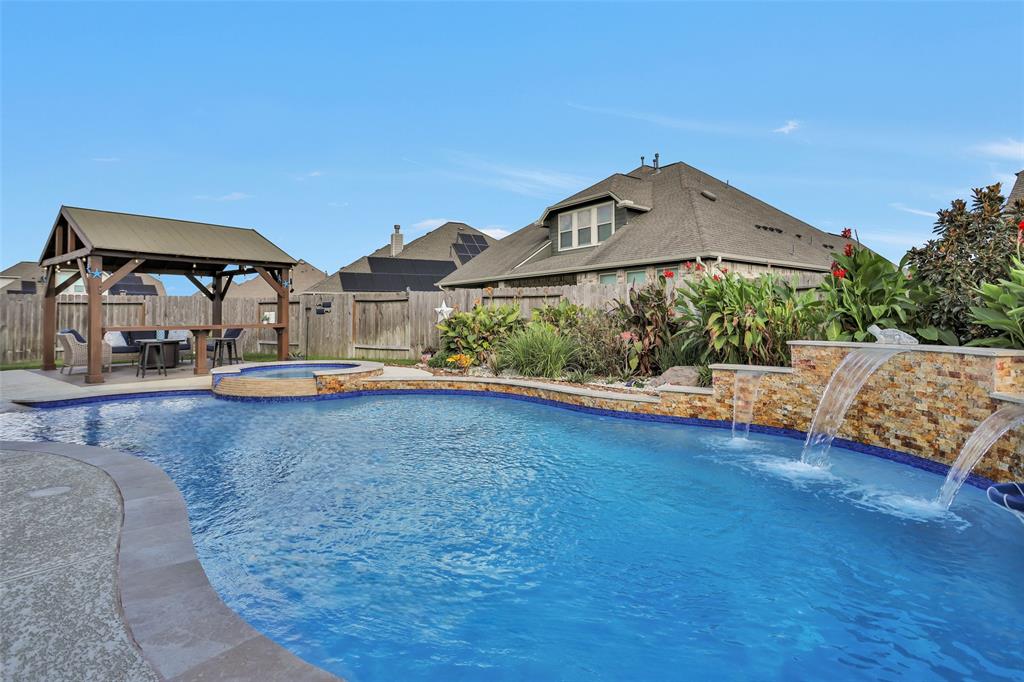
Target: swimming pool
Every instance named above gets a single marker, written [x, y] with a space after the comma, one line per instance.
[303, 370]
[441, 537]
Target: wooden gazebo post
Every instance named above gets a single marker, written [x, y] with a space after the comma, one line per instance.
[50, 319]
[93, 280]
[283, 296]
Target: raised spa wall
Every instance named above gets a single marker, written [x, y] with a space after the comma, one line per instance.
[925, 401]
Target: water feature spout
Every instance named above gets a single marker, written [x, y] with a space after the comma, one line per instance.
[842, 388]
[979, 442]
[744, 396]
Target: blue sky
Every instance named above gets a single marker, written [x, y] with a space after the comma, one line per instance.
[322, 124]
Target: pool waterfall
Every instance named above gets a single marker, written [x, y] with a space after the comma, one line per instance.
[843, 386]
[980, 441]
[744, 397]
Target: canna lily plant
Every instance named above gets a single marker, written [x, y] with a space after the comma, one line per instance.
[1002, 307]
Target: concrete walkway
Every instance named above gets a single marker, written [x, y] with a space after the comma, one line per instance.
[34, 384]
[61, 614]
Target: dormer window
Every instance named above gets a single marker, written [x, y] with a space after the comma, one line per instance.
[586, 226]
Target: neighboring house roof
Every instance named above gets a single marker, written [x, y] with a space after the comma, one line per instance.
[127, 233]
[303, 277]
[419, 266]
[676, 213]
[1017, 191]
[132, 284]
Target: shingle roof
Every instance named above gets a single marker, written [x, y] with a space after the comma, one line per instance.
[303, 276]
[435, 245]
[127, 232]
[683, 223]
[1017, 192]
[141, 284]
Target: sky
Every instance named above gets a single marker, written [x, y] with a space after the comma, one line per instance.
[323, 124]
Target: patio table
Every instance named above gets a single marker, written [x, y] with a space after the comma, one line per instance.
[200, 332]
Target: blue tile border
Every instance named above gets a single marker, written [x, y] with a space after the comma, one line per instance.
[906, 458]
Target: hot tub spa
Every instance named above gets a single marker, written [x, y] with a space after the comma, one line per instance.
[288, 379]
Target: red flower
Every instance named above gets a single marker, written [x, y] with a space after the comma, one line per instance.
[839, 273]
[716, 278]
[848, 250]
[1020, 226]
[725, 270]
[847, 233]
[687, 265]
[700, 268]
[669, 274]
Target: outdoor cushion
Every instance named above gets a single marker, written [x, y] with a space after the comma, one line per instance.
[74, 333]
[134, 337]
[115, 339]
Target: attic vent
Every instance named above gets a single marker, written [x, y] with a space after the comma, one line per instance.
[768, 228]
[708, 195]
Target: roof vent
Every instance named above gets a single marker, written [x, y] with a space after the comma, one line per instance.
[708, 195]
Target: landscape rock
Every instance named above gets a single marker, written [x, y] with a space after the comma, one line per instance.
[681, 375]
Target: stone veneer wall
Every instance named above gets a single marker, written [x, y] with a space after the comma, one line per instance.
[921, 402]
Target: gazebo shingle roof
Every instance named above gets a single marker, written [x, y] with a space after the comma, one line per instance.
[109, 231]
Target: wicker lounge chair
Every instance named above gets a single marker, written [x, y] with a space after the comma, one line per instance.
[76, 351]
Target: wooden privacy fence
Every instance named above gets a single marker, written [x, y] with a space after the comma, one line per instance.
[367, 325]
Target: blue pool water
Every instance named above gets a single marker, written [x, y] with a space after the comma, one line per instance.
[297, 371]
[432, 537]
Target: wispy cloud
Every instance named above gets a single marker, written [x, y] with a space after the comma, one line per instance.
[105, 159]
[428, 224]
[337, 204]
[230, 196]
[789, 127]
[916, 211]
[1008, 148]
[528, 181]
[662, 120]
[310, 174]
[902, 240]
[496, 231]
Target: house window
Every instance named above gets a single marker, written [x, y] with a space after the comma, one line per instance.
[636, 276]
[585, 227]
[609, 278]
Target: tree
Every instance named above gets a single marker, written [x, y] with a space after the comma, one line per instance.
[973, 246]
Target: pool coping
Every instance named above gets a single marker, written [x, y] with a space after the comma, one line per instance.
[344, 367]
[182, 627]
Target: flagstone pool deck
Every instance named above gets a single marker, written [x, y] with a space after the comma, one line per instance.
[100, 579]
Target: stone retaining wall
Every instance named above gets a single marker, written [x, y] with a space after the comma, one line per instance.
[923, 402]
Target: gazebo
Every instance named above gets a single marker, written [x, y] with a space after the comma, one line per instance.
[90, 242]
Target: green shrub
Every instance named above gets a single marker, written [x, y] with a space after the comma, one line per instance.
[563, 317]
[972, 246]
[679, 353]
[599, 347]
[728, 318]
[537, 350]
[1002, 309]
[476, 332]
[579, 376]
[438, 360]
